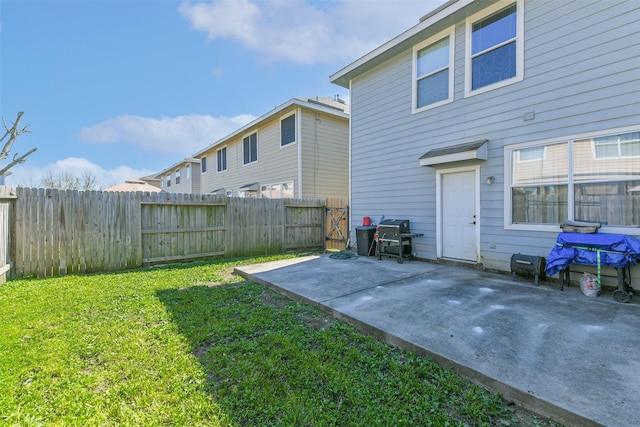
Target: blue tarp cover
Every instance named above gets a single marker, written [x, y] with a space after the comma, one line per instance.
[616, 250]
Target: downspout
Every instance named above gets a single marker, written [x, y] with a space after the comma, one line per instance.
[349, 168]
[299, 139]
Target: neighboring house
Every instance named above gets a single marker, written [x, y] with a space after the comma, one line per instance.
[152, 180]
[297, 150]
[501, 120]
[134, 185]
[182, 177]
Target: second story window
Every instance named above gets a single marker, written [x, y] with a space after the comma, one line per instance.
[494, 47]
[433, 71]
[203, 164]
[288, 130]
[187, 171]
[250, 148]
[222, 159]
[177, 176]
[168, 180]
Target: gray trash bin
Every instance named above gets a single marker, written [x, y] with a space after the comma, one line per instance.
[364, 239]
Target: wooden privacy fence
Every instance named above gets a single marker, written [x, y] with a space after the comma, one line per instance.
[60, 232]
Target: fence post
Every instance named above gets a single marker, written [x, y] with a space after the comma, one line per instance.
[6, 204]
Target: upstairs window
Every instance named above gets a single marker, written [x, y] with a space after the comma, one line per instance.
[494, 47]
[177, 176]
[187, 171]
[168, 180]
[250, 149]
[203, 165]
[222, 159]
[433, 71]
[288, 130]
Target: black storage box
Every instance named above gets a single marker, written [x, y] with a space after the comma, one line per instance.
[528, 265]
[364, 240]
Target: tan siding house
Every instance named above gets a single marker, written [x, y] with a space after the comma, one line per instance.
[325, 166]
[182, 177]
[299, 149]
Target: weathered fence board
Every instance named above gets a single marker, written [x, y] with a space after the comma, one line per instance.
[304, 223]
[53, 232]
[182, 227]
[255, 227]
[6, 205]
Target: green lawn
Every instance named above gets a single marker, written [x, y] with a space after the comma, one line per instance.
[195, 346]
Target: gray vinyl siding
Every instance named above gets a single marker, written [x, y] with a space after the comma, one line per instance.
[325, 155]
[581, 63]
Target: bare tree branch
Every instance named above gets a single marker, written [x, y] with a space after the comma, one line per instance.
[17, 160]
[12, 134]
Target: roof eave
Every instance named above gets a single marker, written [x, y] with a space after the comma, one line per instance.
[395, 45]
[171, 168]
[267, 116]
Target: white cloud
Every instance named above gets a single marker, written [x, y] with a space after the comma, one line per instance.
[306, 32]
[181, 135]
[31, 176]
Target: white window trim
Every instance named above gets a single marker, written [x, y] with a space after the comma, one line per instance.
[257, 145]
[187, 172]
[178, 176]
[519, 47]
[226, 158]
[295, 123]
[450, 32]
[508, 149]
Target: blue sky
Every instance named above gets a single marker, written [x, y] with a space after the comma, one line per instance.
[126, 88]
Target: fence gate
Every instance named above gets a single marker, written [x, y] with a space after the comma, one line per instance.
[337, 219]
[6, 200]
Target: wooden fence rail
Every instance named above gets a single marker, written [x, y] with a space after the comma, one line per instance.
[51, 232]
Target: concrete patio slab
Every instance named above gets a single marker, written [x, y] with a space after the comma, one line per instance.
[570, 357]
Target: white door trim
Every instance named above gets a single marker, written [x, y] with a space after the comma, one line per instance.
[439, 174]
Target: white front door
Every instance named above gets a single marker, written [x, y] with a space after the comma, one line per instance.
[458, 216]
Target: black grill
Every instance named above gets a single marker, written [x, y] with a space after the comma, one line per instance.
[394, 234]
[393, 228]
